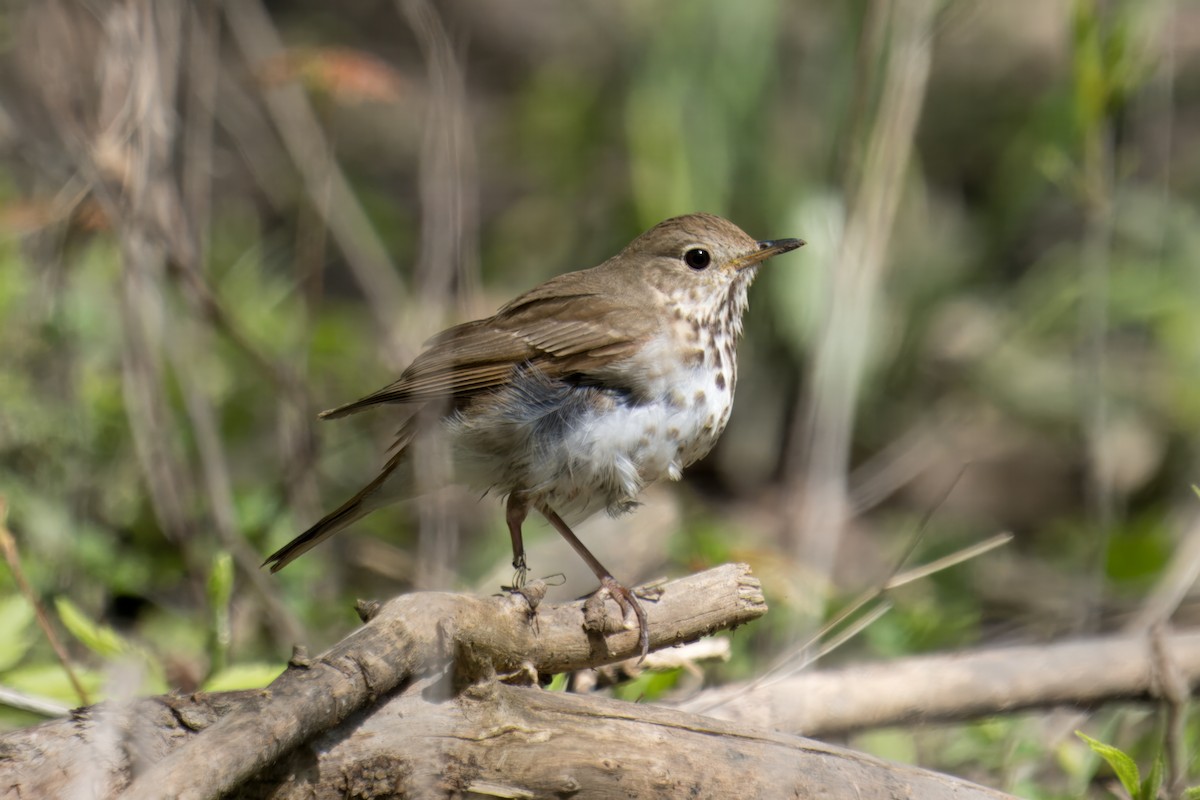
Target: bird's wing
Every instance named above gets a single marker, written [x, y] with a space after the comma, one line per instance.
[581, 333]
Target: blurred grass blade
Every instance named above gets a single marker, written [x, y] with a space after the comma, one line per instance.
[220, 594]
[966, 554]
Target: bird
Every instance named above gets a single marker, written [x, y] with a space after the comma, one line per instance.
[580, 393]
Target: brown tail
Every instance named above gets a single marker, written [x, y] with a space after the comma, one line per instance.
[360, 505]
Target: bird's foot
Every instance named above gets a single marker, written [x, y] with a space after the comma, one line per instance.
[521, 572]
[629, 603]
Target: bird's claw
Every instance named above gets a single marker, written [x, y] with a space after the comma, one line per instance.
[628, 602]
[520, 574]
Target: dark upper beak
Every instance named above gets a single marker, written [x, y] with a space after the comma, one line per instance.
[771, 247]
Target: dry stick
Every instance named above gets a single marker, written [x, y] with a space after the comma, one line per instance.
[8, 544]
[175, 231]
[881, 475]
[195, 190]
[297, 126]
[421, 634]
[23, 701]
[783, 665]
[945, 562]
[959, 686]
[1097, 186]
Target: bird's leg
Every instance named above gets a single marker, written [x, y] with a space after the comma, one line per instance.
[625, 598]
[514, 514]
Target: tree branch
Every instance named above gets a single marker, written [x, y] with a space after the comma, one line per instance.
[940, 688]
[425, 634]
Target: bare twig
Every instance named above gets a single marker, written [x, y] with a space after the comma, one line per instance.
[895, 465]
[12, 556]
[22, 701]
[937, 565]
[848, 622]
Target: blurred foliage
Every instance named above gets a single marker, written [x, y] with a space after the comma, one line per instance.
[1038, 322]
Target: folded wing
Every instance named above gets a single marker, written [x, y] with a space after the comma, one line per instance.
[560, 333]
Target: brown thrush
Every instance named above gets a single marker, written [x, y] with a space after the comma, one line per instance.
[580, 393]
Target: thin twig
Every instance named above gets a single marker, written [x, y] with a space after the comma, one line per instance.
[23, 701]
[297, 125]
[8, 544]
[795, 660]
[937, 565]
[896, 578]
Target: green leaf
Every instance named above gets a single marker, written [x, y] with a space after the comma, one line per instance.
[100, 639]
[1124, 767]
[243, 676]
[51, 681]
[558, 683]
[650, 685]
[1149, 787]
[1191, 793]
[16, 620]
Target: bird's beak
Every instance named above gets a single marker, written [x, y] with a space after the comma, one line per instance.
[771, 247]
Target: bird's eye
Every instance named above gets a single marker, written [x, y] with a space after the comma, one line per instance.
[697, 258]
